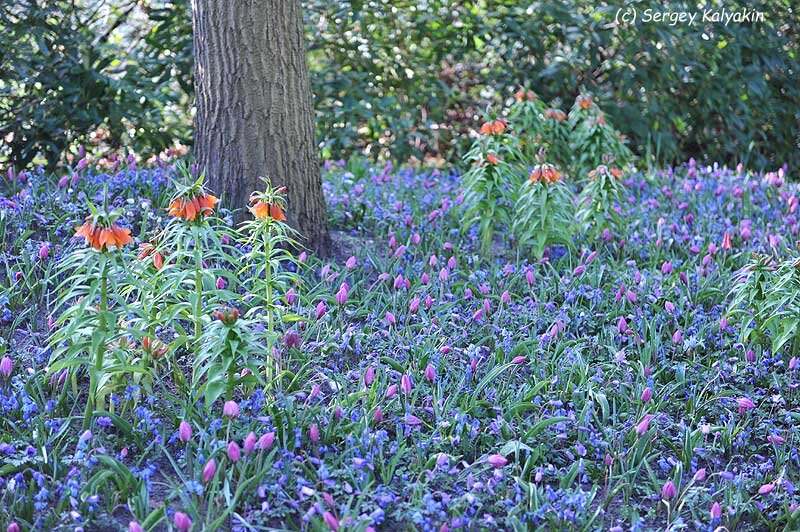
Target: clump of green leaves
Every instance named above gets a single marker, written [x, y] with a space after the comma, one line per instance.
[543, 212]
[492, 183]
[599, 200]
[766, 300]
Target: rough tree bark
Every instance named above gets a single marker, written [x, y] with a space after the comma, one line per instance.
[254, 114]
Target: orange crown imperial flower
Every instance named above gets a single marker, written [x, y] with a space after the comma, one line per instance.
[263, 210]
[103, 236]
[555, 114]
[148, 250]
[492, 159]
[496, 127]
[545, 173]
[189, 208]
[584, 102]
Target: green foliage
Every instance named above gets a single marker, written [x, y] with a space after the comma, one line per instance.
[766, 299]
[492, 184]
[599, 200]
[70, 69]
[410, 79]
[544, 213]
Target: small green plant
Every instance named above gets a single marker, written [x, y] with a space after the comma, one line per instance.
[766, 300]
[592, 139]
[89, 331]
[491, 185]
[269, 239]
[599, 200]
[544, 209]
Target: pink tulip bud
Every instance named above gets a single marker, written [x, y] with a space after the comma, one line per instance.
[529, 277]
[505, 297]
[249, 443]
[716, 511]
[313, 433]
[744, 404]
[428, 302]
[497, 460]
[369, 376]
[234, 453]
[322, 309]
[443, 275]
[265, 442]
[425, 279]
[622, 325]
[182, 522]
[643, 425]
[209, 470]
[290, 296]
[13, 526]
[430, 373]
[521, 359]
[221, 283]
[677, 337]
[133, 526]
[6, 367]
[64, 181]
[766, 489]
[668, 491]
[646, 394]
[341, 295]
[413, 307]
[184, 432]
[391, 391]
[230, 409]
[331, 521]
[44, 251]
[700, 475]
[378, 415]
[451, 263]
[405, 384]
[351, 263]
[608, 460]
[390, 319]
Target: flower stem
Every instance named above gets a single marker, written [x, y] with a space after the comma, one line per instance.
[268, 282]
[102, 325]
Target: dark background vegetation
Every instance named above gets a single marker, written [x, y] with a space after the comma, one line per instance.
[411, 78]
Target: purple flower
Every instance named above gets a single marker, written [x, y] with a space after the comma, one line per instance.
[313, 433]
[497, 460]
[184, 432]
[182, 522]
[234, 453]
[6, 367]
[341, 295]
[716, 511]
[266, 441]
[230, 409]
[209, 470]
[249, 443]
[668, 491]
[322, 309]
[405, 384]
[430, 373]
[331, 521]
[744, 404]
[369, 376]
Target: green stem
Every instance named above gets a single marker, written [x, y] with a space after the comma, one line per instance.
[268, 281]
[97, 369]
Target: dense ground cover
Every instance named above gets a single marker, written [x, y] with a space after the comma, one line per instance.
[600, 388]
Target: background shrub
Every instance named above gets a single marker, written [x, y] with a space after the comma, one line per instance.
[407, 78]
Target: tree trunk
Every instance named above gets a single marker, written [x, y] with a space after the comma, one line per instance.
[254, 114]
